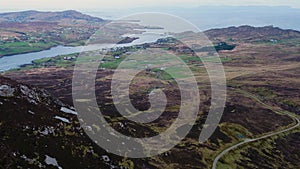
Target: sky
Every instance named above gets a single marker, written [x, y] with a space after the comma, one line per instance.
[125, 4]
[217, 16]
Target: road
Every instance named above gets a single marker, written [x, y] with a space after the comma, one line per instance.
[216, 160]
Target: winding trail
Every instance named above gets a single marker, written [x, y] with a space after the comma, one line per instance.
[216, 160]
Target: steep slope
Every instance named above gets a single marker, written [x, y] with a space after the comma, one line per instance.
[36, 131]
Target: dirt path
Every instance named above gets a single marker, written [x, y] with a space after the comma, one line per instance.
[260, 138]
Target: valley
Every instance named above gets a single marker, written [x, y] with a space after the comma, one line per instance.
[259, 127]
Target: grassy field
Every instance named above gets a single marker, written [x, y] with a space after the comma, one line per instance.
[13, 48]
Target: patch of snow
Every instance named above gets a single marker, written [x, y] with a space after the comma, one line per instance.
[52, 161]
[31, 112]
[68, 111]
[62, 119]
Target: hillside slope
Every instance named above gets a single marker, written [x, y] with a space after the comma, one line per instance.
[36, 131]
[252, 34]
[31, 31]
[36, 16]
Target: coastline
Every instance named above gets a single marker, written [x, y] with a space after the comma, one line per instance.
[32, 51]
[72, 44]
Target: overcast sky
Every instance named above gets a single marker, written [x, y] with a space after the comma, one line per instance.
[101, 4]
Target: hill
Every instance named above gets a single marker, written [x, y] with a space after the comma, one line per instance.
[39, 131]
[37, 16]
[252, 34]
[31, 31]
[263, 92]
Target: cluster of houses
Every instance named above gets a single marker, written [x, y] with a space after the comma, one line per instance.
[116, 52]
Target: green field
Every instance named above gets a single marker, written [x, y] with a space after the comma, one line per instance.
[13, 48]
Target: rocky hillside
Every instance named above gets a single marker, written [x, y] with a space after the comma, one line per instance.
[38, 131]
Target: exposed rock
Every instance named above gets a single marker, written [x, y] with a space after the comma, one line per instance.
[40, 135]
[6, 91]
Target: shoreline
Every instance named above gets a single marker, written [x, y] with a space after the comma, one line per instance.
[33, 51]
[72, 44]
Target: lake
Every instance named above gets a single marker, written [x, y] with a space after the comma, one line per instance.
[15, 61]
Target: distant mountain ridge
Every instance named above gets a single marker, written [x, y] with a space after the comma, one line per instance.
[37, 16]
[251, 33]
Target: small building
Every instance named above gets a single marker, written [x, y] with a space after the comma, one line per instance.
[67, 58]
[273, 40]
